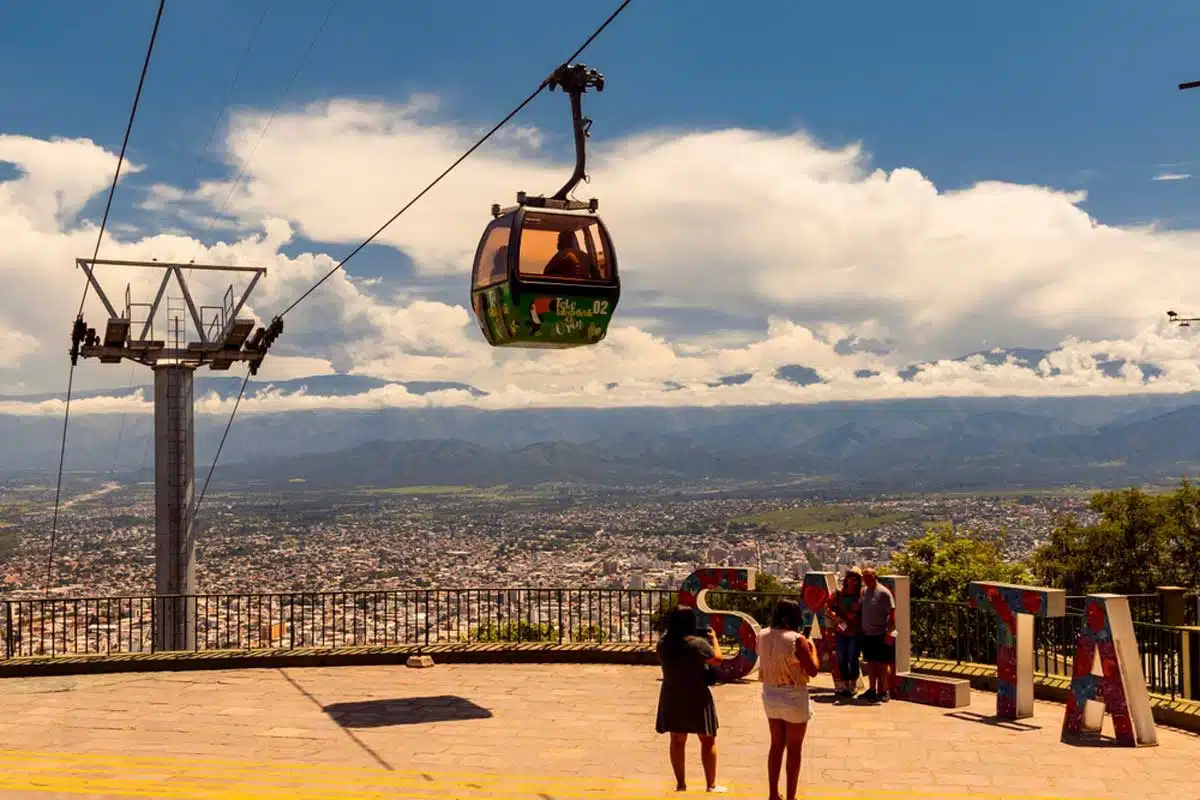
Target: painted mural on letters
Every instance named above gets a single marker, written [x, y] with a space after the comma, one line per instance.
[930, 690]
[729, 624]
[1015, 607]
[818, 588]
[1107, 635]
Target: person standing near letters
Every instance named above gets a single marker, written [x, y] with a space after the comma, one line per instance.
[878, 644]
[685, 703]
[845, 609]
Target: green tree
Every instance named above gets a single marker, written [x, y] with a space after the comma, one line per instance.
[1062, 561]
[943, 561]
[521, 631]
[1142, 541]
[814, 563]
[940, 565]
[589, 633]
[1183, 547]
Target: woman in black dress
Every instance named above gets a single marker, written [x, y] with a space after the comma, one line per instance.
[685, 704]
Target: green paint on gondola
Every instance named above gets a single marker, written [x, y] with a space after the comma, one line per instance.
[541, 320]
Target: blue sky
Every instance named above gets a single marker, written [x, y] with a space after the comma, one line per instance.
[1072, 93]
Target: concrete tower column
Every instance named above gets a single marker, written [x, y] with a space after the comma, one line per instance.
[174, 483]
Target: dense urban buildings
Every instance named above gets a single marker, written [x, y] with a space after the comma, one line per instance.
[448, 537]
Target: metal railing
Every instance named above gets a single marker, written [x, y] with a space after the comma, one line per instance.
[292, 620]
[956, 632]
[1142, 607]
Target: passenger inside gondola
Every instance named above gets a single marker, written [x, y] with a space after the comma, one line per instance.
[570, 261]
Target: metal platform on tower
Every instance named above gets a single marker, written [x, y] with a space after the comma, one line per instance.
[193, 336]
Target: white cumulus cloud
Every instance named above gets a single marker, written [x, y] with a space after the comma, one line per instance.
[741, 252]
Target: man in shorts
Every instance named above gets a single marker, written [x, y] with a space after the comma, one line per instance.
[878, 645]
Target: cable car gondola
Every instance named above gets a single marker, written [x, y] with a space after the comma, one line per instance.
[545, 274]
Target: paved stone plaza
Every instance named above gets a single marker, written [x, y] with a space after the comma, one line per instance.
[552, 732]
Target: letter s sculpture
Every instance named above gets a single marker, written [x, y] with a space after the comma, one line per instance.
[729, 624]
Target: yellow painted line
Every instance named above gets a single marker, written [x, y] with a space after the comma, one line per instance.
[379, 785]
[215, 787]
[50, 767]
[175, 789]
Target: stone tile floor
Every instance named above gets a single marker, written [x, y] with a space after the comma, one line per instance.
[551, 732]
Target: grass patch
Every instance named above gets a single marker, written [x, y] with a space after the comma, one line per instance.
[833, 519]
[489, 493]
[1010, 494]
[426, 490]
[9, 539]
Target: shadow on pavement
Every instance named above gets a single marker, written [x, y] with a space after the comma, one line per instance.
[405, 711]
[994, 721]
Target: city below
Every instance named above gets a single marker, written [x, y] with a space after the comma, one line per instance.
[428, 537]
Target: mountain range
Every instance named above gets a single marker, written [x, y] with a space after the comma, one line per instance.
[900, 445]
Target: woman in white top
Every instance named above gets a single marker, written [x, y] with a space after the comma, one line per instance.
[787, 661]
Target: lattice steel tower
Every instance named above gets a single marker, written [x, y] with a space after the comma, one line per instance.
[220, 339]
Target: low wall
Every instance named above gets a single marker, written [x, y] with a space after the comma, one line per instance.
[507, 653]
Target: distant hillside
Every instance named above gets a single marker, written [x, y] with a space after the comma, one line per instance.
[868, 447]
[903, 444]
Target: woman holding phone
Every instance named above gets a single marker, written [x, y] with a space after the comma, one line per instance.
[685, 703]
[787, 661]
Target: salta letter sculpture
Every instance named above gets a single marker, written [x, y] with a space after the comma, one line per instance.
[1119, 686]
[930, 690]
[818, 588]
[730, 624]
[1015, 607]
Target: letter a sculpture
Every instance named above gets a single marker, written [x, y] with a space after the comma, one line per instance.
[1120, 686]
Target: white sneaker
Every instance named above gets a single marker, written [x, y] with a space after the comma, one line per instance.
[717, 789]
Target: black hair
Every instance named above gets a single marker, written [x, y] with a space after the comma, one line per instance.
[681, 622]
[788, 615]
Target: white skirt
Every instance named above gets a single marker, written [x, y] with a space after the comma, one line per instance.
[788, 703]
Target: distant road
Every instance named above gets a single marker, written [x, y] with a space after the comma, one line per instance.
[103, 490]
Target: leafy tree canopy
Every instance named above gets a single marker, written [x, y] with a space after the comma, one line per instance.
[943, 561]
[1142, 541]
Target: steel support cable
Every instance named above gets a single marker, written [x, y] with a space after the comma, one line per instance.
[396, 216]
[312, 43]
[216, 456]
[241, 173]
[238, 69]
[87, 285]
[237, 74]
[457, 161]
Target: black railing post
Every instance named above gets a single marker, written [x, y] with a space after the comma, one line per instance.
[427, 618]
[561, 632]
[1190, 656]
[154, 621]
[1170, 605]
[8, 630]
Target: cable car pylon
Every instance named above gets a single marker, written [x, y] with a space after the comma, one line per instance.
[218, 336]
